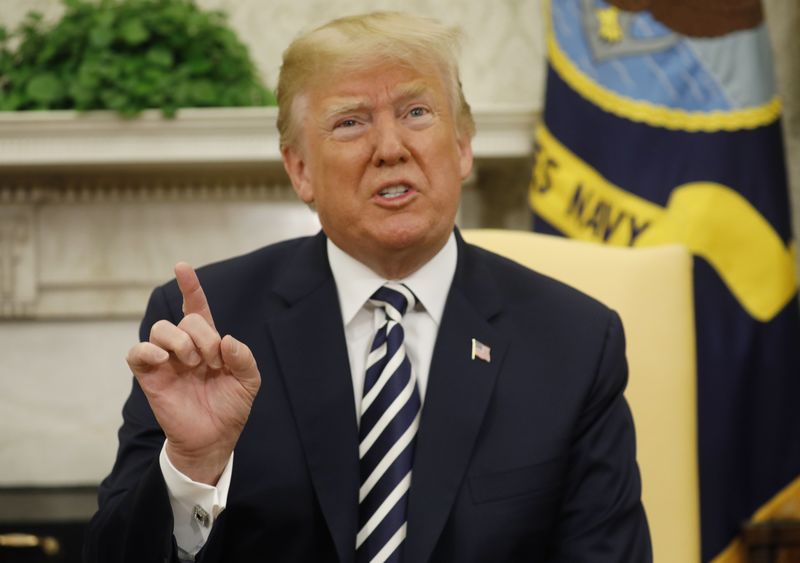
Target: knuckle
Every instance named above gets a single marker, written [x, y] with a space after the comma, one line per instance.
[158, 328]
[186, 322]
[192, 318]
[185, 343]
[197, 324]
[136, 358]
[197, 319]
[132, 356]
[210, 347]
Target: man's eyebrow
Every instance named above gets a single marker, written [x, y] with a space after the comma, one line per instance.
[405, 92]
[401, 94]
[336, 109]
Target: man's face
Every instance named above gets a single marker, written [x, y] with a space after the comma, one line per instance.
[380, 158]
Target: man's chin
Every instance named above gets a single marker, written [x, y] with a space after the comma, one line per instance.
[400, 239]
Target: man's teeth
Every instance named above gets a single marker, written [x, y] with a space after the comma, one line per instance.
[393, 191]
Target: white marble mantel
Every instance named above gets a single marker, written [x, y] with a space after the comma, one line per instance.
[94, 209]
[227, 135]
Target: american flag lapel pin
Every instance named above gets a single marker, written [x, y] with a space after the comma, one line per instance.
[481, 351]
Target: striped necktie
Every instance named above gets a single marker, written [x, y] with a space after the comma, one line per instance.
[390, 410]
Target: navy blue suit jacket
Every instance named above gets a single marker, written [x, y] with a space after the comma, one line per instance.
[529, 457]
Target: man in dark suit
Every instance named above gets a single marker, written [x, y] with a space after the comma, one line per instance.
[383, 391]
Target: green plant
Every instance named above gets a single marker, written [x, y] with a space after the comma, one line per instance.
[127, 55]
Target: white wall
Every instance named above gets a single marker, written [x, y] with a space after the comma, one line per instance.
[502, 55]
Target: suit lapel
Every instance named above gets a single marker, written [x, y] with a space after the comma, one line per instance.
[458, 393]
[310, 344]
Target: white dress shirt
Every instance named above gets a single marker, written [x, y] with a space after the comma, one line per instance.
[355, 284]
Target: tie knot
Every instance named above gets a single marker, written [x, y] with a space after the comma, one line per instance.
[395, 297]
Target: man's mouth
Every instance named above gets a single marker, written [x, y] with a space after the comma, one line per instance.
[393, 192]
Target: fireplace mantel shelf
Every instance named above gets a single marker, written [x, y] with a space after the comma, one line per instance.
[211, 136]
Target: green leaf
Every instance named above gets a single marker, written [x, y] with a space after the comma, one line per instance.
[101, 37]
[159, 56]
[47, 53]
[13, 102]
[33, 18]
[103, 15]
[115, 100]
[199, 66]
[45, 88]
[131, 67]
[134, 32]
[203, 93]
[6, 64]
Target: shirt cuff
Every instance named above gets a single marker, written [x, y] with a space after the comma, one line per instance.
[195, 506]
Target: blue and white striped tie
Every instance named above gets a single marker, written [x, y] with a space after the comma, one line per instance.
[390, 410]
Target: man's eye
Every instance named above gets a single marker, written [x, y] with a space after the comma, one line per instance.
[418, 112]
[347, 123]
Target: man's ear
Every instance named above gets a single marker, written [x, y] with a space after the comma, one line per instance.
[299, 174]
[464, 155]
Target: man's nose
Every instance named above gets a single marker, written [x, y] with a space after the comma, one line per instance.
[390, 144]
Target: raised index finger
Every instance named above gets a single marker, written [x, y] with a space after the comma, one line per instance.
[194, 298]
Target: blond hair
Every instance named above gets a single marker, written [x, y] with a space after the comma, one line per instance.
[358, 43]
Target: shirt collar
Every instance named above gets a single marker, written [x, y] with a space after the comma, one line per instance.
[355, 282]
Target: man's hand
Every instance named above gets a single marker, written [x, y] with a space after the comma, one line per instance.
[200, 386]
